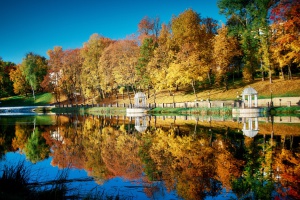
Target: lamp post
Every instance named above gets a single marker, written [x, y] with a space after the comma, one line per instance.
[280, 102]
[271, 100]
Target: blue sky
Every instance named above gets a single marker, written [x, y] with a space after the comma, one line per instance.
[39, 25]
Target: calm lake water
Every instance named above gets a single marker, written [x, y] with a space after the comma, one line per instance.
[159, 157]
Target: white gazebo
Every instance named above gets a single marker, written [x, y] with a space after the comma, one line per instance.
[250, 93]
[140, 105]
[140, 100]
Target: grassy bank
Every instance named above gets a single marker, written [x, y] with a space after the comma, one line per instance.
[204, 110]
[93, 110]
[285, 110]
[40, 100]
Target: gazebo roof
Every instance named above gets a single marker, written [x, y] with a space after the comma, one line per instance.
[250, 133]
[140, 95]
[140, 128]
[249, 91]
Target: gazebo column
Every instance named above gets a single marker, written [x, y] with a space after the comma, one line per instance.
[249, 101]
[256, 123]
[255, 100]
[249, 124]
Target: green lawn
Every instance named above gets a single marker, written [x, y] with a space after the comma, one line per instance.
[41, 99]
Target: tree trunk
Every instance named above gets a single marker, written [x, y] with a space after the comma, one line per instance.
[262, 75]
[128, 94]
[33, 93]
[133, 89]
[226, 82]
[208, 76]
[282, 73]
[289, 72]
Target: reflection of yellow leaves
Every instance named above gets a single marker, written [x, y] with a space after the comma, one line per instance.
[108, 130]
[2, 140]
[122, 128]
[20, 137]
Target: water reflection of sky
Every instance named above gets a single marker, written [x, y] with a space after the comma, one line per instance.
[127, 189]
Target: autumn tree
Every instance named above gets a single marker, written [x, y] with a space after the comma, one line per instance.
[159, 63]
[225, 49]
[285, 38]
[20, 84]
[107, 64]
[51, 80]
[148, 28]
[124, 60]
[90, 75]
[191, 50]
[70, 73]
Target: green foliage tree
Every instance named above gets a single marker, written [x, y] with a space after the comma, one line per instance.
[146, 54]
[34, 68]
[6, 84]
[246, 19]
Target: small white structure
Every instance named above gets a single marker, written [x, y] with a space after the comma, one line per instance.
[248, 110]
[250, 130]
[140, 105]
[140, 100]
[250, 93]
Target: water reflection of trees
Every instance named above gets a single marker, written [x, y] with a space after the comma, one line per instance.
[195, 160]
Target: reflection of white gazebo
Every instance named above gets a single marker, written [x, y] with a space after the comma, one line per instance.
[140, 124]
[249, 130]
[140, 100]
[250, 93]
